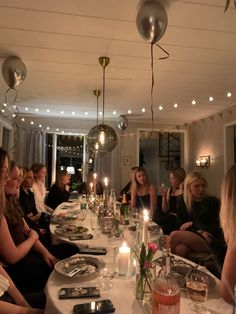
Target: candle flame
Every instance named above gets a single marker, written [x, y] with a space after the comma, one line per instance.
[95, 176]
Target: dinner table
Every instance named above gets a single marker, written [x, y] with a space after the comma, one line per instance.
[122, 291]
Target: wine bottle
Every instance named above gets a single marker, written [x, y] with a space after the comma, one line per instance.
[124, 211]
[166, 290]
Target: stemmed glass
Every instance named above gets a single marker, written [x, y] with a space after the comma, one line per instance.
[197, 284]
[81, 216]
[134, 216]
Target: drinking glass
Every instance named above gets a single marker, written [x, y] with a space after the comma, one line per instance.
[81, 216]
[106, 274]
[134, 216]
[197, 284]
[94, 223]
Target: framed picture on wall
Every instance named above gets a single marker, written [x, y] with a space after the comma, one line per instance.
[127, 160]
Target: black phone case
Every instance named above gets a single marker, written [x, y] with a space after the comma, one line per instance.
[79, 292]
[101, 307]
[81, 237]
[93, 251]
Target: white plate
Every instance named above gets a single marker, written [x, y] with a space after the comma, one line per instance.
[90, 266]
[70, 230]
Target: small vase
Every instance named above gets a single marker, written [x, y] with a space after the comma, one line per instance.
[144, 286]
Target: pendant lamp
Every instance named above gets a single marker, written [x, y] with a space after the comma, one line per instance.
[102, 138]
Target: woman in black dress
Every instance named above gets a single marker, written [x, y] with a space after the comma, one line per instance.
[143, 194]
[59, 191]
[198, 218]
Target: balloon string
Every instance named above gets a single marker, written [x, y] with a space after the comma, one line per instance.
[152, 86]
[15, 114]
[166, 52]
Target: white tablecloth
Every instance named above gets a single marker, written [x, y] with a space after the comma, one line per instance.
[122, 294]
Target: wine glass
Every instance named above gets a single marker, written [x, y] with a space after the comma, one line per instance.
[81, 216]
[197, 284]
[93, 223]
[134, 216]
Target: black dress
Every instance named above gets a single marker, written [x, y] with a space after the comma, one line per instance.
[143, 202]
[56, 196]
[205, 217]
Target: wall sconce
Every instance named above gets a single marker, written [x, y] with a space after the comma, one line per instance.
[203, 161]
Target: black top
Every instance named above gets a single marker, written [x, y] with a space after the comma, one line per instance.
[204, 215]
[27, 202]
[56, 196]
[143, 201]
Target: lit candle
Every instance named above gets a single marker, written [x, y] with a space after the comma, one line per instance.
[106, 181]
[95, 182]
[145, 227]
[124, 259]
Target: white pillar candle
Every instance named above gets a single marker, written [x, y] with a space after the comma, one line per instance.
[145, 227]
[124, 259]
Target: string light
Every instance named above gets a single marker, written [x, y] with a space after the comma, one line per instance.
[194, 102]
[129, 111]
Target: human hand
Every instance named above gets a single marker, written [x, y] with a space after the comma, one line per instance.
[67, 187]
[163, 189]
[186, 225]
[50, 259]
[32, 234]
[206, 235]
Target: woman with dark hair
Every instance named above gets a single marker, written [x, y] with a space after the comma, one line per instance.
[169, 195]
[59, 191]
[30, 270]
[143, 194]
[198, 215]
[9, 252]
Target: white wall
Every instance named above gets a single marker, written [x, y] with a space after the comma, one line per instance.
[206, 137]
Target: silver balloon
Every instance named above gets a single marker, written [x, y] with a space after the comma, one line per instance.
[101, 139]
[151, 21]
[13, 71]
[122, 122]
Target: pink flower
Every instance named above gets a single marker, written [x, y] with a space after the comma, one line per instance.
[153, 247]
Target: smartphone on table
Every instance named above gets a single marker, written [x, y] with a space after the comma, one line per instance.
[79, 292]
[96, 307]
[81, 237]
[93, 250]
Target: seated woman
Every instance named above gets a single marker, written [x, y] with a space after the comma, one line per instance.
[167, 202]
[228, 223]
[198, 218]
[143, 194]
[39, 189]
[29, 262]
[33, 218]
[169, 195]
[59, 191]
[84, 188]
[8, 291]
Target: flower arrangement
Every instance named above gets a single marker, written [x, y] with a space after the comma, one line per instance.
[144, 278]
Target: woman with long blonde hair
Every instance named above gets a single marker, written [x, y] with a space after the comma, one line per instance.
[198, 218]
[143, 193]
[228, 223]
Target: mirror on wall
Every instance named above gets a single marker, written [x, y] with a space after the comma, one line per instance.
[159, 152]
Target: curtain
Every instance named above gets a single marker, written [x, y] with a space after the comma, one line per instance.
[31, 147]
[108, 166]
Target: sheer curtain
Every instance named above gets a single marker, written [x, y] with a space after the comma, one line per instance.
[31, 147]
[108, 166]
